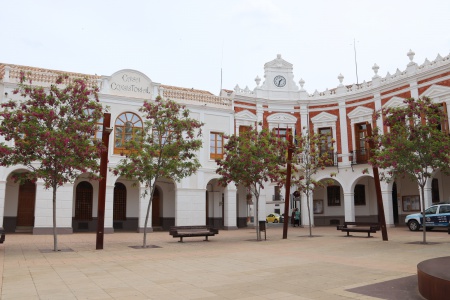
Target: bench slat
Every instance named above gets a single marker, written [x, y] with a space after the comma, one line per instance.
[192, 231]
[359, 227]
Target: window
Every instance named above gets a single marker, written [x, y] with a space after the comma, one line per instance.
[277, 193]
[326, 144]
[435, 190]
[444, 122]
[127, 128]
[362, 147]
[444, 209]
[216, 145]
[283, 132]
[360, 194]
[161, 138]
[99, 131]
[243, 129]
[334, 195]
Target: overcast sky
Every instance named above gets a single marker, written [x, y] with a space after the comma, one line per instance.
[186, 43]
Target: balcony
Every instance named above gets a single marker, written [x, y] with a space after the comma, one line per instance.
[360, 156]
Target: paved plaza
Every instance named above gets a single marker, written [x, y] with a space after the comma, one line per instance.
[232, 265]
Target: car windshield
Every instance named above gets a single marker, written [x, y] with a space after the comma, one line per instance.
[431, 210]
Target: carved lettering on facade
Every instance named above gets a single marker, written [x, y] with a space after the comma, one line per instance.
[129, 83]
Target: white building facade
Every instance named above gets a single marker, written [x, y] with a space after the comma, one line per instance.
[197, 200]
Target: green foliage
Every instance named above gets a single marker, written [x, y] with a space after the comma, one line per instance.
[166, 147]
[50, 132]
[415, 143]
[313, 153]
[309, 157]
[251, 159]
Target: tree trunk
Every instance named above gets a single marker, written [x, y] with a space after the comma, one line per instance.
[258, 232]
[309, 213]
[424, 229]
[55, 235]
[152, 188]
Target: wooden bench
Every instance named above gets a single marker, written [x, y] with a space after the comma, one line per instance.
[359, 227]
[190, 231]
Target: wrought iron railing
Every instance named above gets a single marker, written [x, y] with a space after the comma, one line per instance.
[360, 156]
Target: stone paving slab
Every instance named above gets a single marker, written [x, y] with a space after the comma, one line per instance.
[232, 265]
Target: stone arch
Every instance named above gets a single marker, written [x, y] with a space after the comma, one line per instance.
[19, 204]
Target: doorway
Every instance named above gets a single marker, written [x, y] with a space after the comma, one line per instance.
[156, 220]
[25, 209]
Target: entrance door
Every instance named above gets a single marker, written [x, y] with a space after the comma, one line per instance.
[83, 204]
[395, 203]
[120, 202]
[25, 210]
[156, 222]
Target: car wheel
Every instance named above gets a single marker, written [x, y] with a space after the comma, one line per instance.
[275, 221]
[413, 225]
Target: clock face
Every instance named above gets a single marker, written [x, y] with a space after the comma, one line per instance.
[279, 81]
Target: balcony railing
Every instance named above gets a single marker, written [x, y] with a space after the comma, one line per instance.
[360, 156]
[277, 197]
[333, 156]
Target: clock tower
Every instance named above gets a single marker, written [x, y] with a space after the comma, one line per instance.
[279, 81]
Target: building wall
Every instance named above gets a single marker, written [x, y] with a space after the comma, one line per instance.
[186, 202]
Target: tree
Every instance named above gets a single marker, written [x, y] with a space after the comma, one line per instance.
[52, 133]
[313, 153]
[250, 159]
[166, 148]
[415, 144]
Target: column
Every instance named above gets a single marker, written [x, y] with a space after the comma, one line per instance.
[304, 118]
[427, 193]
[109, 209]
[304, 209]
[259, 116]
[190, 207]
[386, 195]
[230, 207]
[344, 134]
[143, 205]
[349, 207]
[379, 121]
[43, 221]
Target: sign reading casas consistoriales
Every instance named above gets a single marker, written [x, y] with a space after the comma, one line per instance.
[130, 83]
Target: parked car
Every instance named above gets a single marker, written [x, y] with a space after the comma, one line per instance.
[437, 215]
[274, 218]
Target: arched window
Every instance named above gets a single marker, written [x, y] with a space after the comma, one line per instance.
[127, 127]
[83, 201]
[120, 202]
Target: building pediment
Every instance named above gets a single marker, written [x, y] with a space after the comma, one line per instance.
[282, 118]
[395, 102]
[324, 117]
[360, 111]
[278, 63]
[245, 115]
[436, 92]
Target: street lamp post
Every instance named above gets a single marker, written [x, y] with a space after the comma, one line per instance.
[102, 184]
